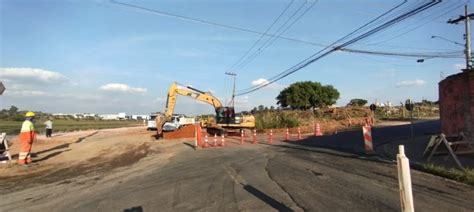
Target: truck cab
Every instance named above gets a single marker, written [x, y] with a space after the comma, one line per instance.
[177, 121]
[151, 123]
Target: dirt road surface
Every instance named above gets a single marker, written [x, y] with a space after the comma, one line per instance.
[116, 170]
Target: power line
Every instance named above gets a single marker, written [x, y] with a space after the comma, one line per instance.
[201, 21]
[261, 36]
[417, 26]
[256, 87]
[455, 54]
[187, 18]
[270, 41]
[320, 54]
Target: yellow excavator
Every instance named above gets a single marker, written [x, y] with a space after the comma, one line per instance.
[226, 118]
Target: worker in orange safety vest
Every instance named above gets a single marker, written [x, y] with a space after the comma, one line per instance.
[27, 136]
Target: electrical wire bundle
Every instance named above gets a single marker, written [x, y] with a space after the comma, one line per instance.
[395, 15]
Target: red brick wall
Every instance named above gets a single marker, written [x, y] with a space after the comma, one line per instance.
[454, 93]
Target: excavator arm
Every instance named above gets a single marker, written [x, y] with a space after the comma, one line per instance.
[202, 96]
[176, 89]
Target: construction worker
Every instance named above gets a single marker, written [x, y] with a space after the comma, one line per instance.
[27, 136]
[49, 127]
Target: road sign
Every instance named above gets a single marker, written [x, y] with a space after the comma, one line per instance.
[2, 88]
[409, 105]
[372, 107]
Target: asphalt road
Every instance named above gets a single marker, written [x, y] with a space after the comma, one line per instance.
[261, 177]
[275, 178]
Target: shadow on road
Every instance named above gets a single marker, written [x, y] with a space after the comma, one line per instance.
[84, 137]
[134, 209]
[51, 155]
[62, 146]
[265, 198]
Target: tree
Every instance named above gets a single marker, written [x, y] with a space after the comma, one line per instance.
[13, 110]
[261, 107]
[357, 102]
[307, 94]
[254, 110]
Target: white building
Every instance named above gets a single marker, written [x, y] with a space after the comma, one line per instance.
[122, 116]
[109, 116]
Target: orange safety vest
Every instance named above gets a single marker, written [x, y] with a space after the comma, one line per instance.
[27, 133]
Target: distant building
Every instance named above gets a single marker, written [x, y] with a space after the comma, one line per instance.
[122, 116]
[109, 116]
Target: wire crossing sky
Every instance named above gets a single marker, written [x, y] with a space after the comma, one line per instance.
[110, 56]
[321, 54]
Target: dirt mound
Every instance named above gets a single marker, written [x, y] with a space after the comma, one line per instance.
[187, 131]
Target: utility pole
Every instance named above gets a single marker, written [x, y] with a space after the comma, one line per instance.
[233, 89]
[467, 36]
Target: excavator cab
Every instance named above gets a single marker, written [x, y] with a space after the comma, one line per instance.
[225, 115]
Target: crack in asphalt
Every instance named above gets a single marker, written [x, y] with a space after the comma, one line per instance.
[255, 191]
[280, 186]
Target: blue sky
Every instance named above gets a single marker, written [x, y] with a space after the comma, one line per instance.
[99, 57]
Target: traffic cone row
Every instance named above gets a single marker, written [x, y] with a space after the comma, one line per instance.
[317, 132]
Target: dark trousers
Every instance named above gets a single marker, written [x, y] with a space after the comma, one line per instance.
[49, 132]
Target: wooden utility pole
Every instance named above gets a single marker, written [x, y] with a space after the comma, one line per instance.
[467, 36]
[233, 89]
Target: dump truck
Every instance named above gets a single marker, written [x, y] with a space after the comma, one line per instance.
[225, 119]
[178, 121]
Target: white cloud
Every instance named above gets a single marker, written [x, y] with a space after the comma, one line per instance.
[117, 87]
[24, 93]
[262, 81]
[32, 74]
[411, 83]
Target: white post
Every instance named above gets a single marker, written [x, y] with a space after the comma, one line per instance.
[404, 181]
[195, 136]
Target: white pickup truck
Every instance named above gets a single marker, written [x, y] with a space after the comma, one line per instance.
[151, 123]
[178, 121]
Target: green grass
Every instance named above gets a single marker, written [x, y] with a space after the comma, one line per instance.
[464, 176]
[13, 127]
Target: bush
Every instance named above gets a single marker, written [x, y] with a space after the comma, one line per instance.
[272, 120]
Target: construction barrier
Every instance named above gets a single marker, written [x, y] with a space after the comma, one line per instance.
[404, 181]
[454, 145]
[206, 141]
[317, 130]
[197, 138]
[287, 135]
[254, 136]
[367, 131]
[299, 133]
[270, 137]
